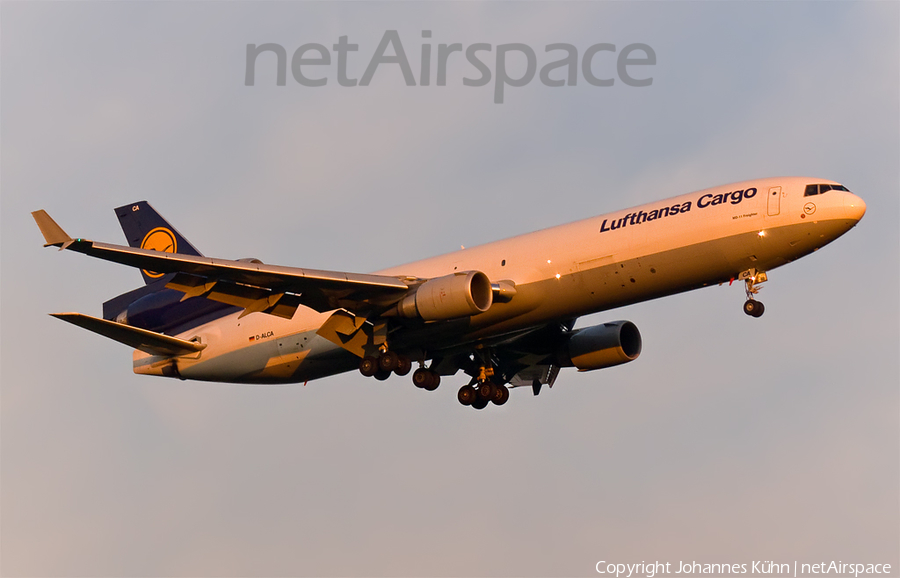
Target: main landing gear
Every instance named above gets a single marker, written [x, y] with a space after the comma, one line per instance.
[482, 390]
[486, 392]
[752, 307]
[426, 379]
[389, 362]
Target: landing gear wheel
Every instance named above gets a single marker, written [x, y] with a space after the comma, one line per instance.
[435, 382]
[382, 375]
[754, 308]
[421, 377]
[404, 364]
[467, 395]
[368, 366]
[486, 390]
[388, 361]
[501, 395]
[480, 402]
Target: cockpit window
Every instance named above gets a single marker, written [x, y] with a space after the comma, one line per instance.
[821, 189]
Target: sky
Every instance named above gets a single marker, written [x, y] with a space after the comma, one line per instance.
[731, 439]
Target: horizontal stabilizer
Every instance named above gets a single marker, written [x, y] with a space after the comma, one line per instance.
[147, 341]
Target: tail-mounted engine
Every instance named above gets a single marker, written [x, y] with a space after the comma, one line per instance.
[602, 346]
[449, 297]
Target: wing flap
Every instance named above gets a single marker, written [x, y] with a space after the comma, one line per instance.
[147, 341]
[251, 298]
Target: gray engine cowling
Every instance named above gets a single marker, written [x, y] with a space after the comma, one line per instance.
[602, 346]
[449, 297]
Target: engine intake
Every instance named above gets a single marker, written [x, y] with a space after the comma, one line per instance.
[602, 346]
[449, 297]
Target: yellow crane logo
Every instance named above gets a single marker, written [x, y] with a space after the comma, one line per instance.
[159, 239]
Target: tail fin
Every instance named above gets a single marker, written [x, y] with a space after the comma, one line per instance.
[146, 229]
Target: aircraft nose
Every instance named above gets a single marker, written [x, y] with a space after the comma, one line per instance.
[854, 206]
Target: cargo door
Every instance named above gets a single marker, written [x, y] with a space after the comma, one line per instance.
[774, 202]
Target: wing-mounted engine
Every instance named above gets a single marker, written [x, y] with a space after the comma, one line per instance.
[449, 297]
[601, 346]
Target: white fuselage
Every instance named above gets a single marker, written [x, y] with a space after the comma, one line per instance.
[559, 273]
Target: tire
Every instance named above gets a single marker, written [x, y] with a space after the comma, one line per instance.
[760, 309]
[480, 402]
[435, 382]
[368, 366]
[467, 395]
[388, 361]
[421, 378]
[382, 375]
[501, 395]
[750, 307]
[404, 364]
[486, 390]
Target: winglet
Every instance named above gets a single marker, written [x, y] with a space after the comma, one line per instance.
[53, 233]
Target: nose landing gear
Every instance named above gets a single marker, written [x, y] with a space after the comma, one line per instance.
[752, 278]
[754, 308]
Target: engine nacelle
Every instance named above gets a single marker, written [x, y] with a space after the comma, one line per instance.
[602, 346]
[449, 297]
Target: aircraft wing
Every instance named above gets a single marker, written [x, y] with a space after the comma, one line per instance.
[148, 341]
[252, 285]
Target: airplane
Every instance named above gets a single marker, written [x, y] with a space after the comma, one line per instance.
[503, 313]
